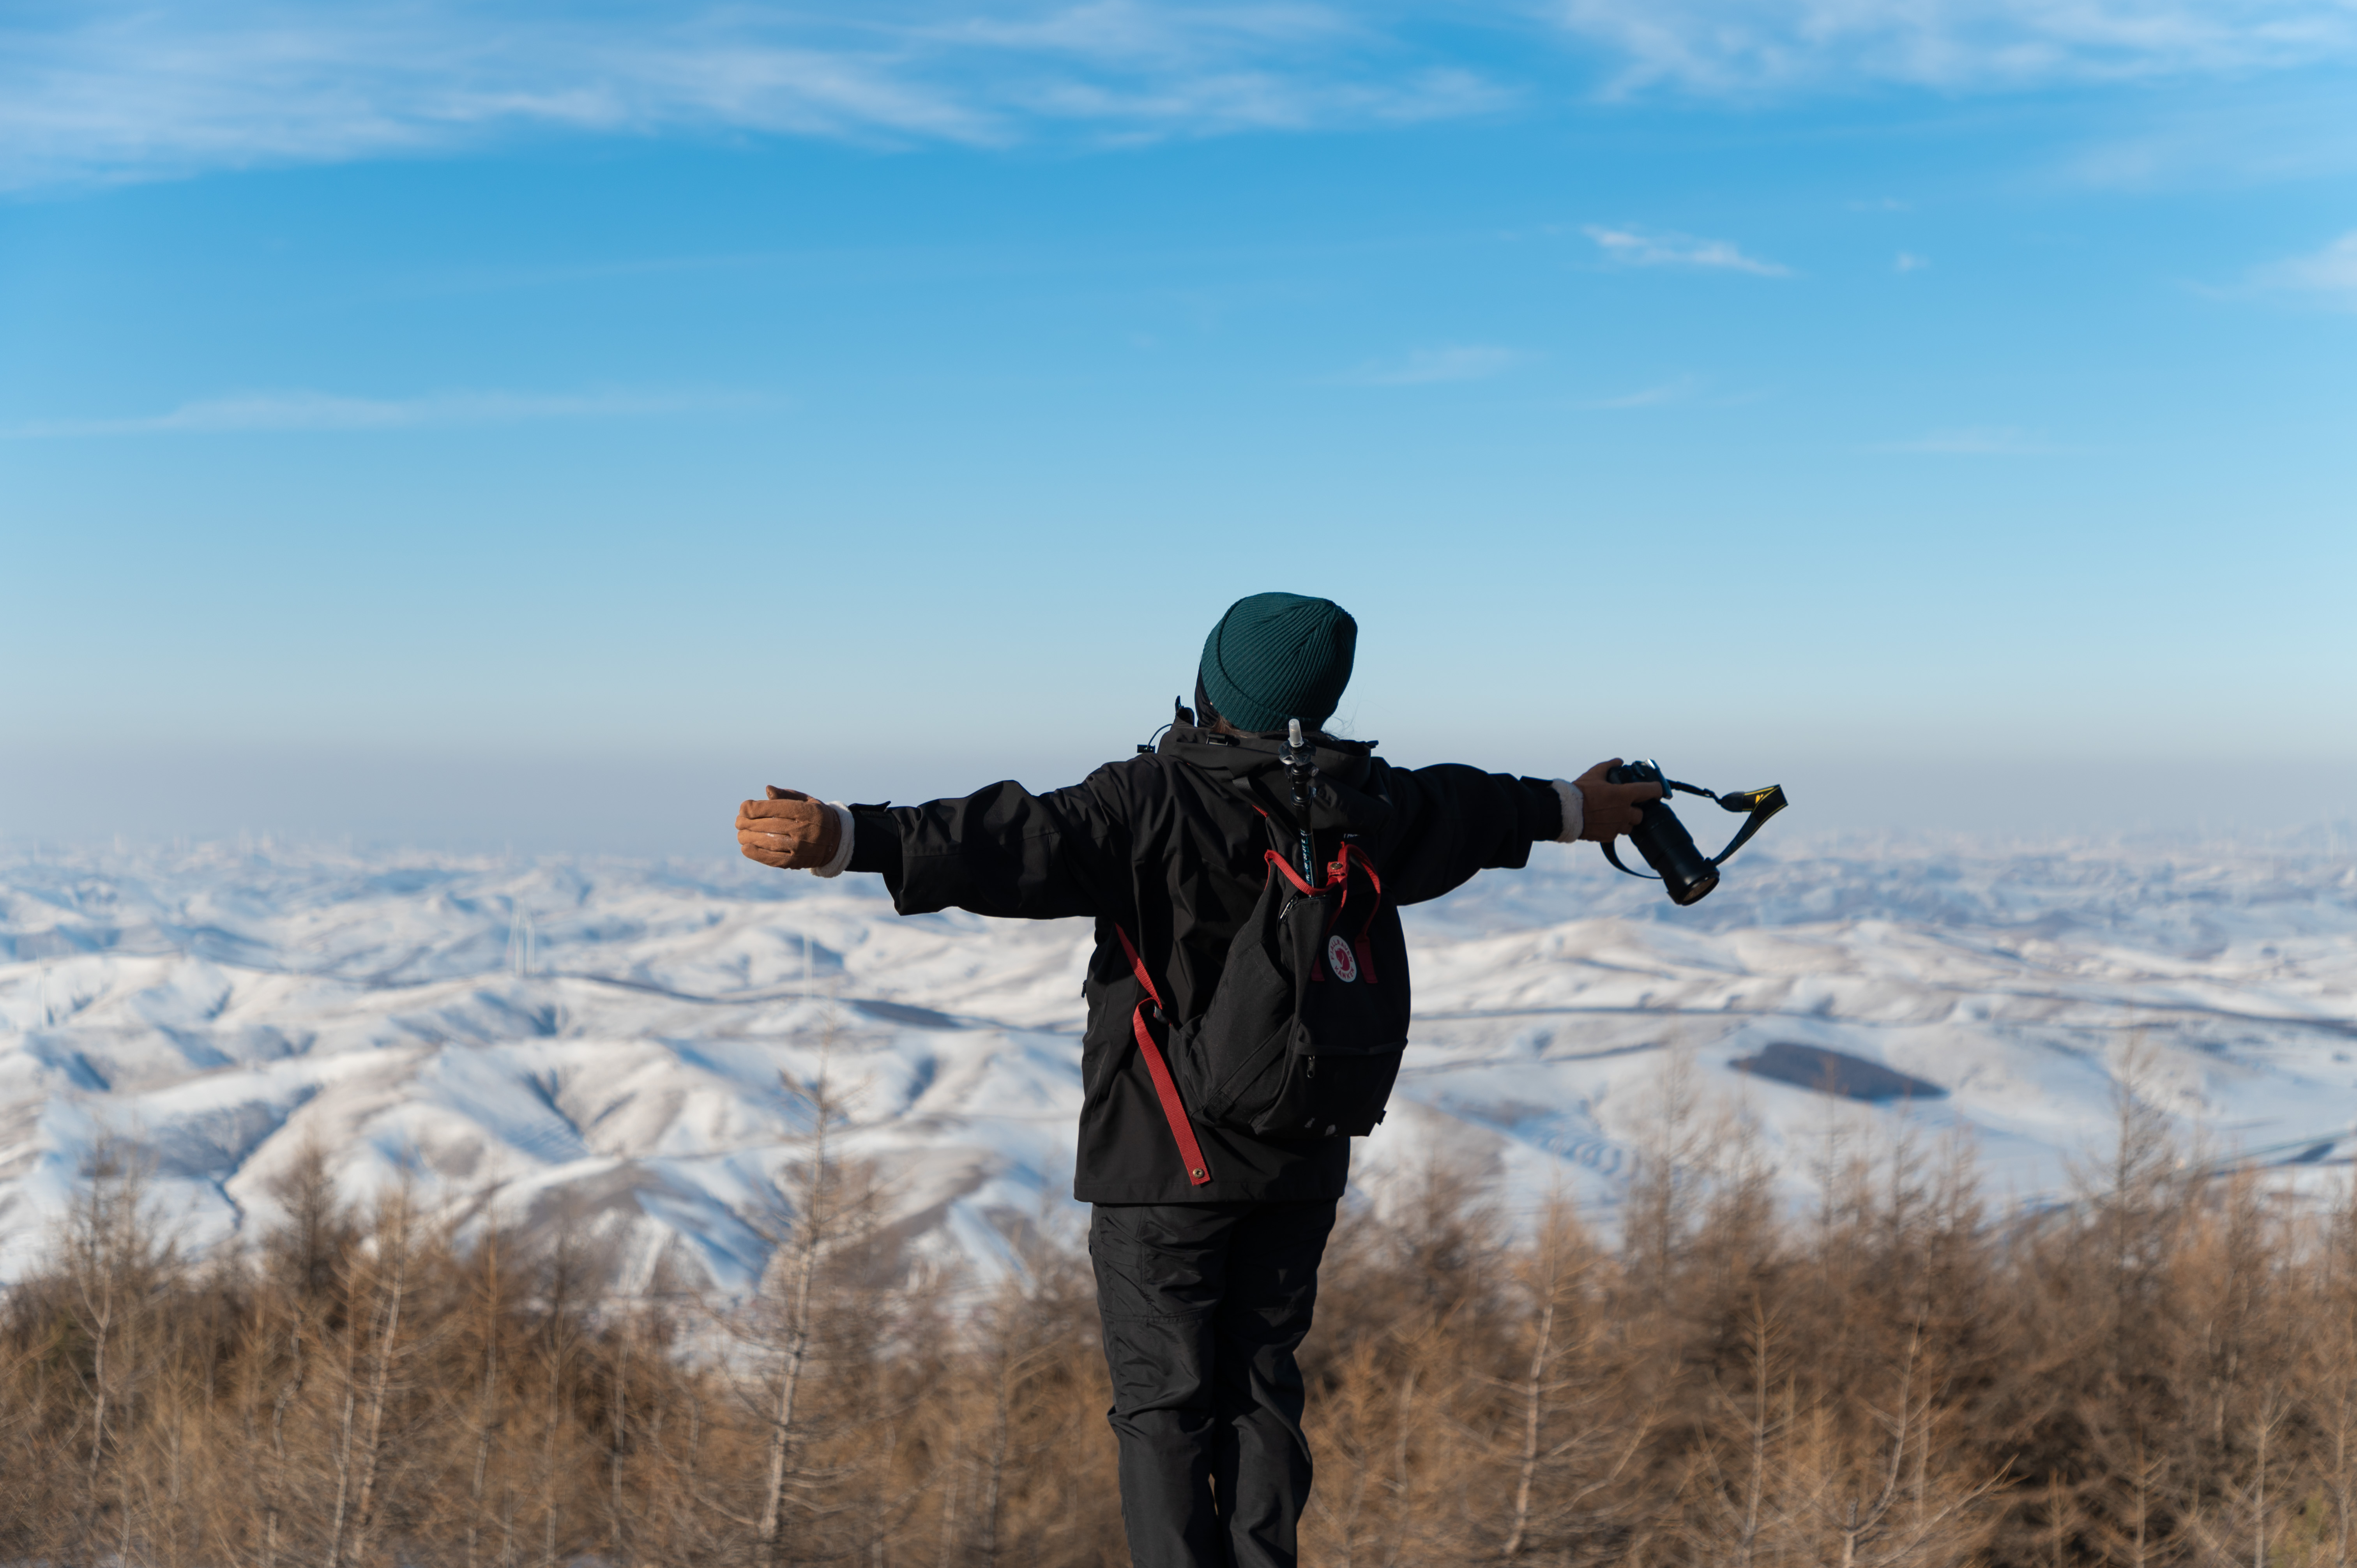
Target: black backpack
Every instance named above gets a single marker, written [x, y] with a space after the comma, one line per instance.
[1306, 1028]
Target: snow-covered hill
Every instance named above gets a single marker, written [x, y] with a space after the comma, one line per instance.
[602, 1043]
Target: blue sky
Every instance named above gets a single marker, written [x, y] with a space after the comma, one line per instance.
[517, 424]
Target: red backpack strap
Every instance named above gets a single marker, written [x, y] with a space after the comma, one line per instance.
[1366, 953]
[1291, 875]
[1318, 972]
[1174, 1112]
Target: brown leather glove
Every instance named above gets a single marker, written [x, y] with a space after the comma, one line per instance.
[789, 830]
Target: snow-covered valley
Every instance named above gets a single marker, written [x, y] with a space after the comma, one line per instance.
[600, 1044]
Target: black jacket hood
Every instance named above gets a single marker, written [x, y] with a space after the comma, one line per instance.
[1352, 797]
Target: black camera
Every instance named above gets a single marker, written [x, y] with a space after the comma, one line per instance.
[1686, 874]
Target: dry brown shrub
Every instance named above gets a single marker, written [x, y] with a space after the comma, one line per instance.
[2162, 1370]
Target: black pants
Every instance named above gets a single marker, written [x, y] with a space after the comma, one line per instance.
[1203, 1304]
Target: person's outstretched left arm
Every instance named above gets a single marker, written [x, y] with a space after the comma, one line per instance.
[999, 851]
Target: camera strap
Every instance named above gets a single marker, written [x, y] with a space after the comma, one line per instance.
[1761, 804]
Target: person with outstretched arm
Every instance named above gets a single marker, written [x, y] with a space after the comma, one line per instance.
[1211, 1201]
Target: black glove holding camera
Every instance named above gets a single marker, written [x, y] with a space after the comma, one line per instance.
[1685, 872]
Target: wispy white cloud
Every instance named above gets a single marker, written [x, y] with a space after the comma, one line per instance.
[1462, 362]
[2331, 273]
[262, 413]
[1976, 440]
[1130, 29]
[1635, 248]
[1768, 46]
[123, 89]
[1908, 261]
[113, 89]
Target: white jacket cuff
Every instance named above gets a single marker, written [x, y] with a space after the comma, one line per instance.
[1575, 811]
[842, 855]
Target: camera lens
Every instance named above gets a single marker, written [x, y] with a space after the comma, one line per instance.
[1692, 891]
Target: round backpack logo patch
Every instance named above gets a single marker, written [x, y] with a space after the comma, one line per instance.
[1338, 954]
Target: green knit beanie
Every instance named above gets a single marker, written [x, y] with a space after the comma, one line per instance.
[1276, 657]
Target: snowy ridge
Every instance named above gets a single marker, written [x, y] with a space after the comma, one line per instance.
[600, 1044]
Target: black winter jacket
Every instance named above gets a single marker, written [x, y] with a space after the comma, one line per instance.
[1170, 845]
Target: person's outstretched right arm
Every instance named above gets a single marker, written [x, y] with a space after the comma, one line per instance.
[1450, 822]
